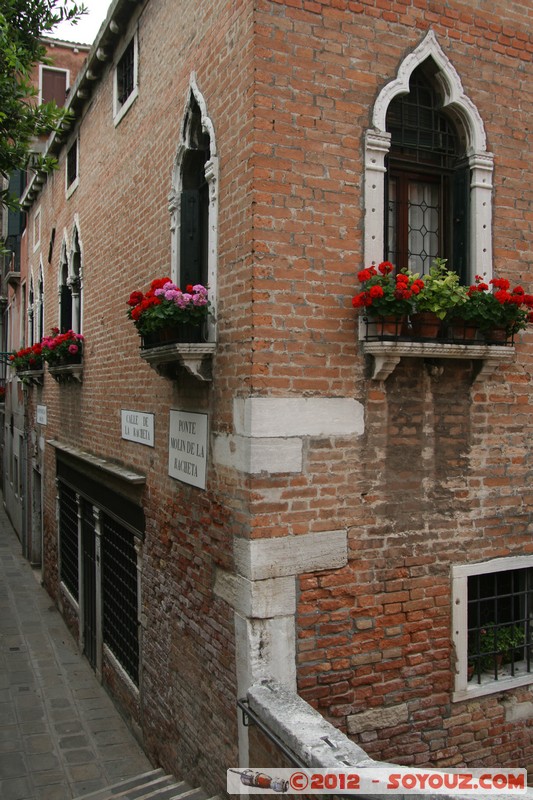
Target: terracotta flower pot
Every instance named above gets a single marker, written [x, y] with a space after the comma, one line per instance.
[461, 330]
[426, 325]
[183, 333]
[497, 336]
[389, 325]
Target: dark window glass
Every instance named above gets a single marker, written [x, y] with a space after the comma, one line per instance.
[126, 74]
[427, 194]
[72, 164]
[194, 204]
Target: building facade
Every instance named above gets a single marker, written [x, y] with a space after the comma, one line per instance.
[22, 303]
[288, 499]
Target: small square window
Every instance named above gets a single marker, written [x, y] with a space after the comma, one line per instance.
[126, 80]
[493, 625]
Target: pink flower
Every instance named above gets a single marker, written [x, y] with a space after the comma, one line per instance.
[73, 349]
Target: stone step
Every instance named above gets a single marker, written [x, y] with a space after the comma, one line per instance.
[153, 785]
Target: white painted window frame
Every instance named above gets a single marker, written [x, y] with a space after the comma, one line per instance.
[377, 145]
[119, 110]
[463, 690]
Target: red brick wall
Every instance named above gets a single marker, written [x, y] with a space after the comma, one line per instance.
[441, 475]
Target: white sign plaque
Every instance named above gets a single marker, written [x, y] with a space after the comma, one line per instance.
[138, 427]
[187, 447]
[41, 415]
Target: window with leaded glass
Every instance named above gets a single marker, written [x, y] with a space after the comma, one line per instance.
[427, 182]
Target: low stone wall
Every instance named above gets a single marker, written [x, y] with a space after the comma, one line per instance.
[316, 742]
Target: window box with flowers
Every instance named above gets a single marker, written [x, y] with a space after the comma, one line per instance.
[173, 328]
[462, 320]
[28, 363]
[63, 352]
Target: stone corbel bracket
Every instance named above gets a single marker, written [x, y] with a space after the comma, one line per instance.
[67, 373]
[196, 359]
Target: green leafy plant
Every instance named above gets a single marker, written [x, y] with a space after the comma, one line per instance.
[493, 641]
[442, 292]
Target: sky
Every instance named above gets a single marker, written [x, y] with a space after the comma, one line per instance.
[84, 32]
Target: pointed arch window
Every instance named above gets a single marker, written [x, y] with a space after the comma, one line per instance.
[70, 286]
[428, 175]
[194, 202]
[31, 313]
[38, 316]
[65, 295]
[426, 213]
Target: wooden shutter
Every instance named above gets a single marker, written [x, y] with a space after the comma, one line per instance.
[54, 86]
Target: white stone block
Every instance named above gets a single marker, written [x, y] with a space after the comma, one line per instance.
[274, 597]
[298, 416]
[258, 559]
[254, 456]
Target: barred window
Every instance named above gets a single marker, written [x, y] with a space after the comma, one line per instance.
[125, 74]
[499, 609]
[119, 584]
[68, 539]
[125, 80]
[493, 625]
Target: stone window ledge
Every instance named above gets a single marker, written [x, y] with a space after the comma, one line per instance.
[387, 355]
[195, 358]
[31, 376]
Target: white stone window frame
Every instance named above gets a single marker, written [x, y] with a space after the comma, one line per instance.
[463, 689]
[121, 109]
[38, 311]
[211, 175]
[70, 188]
[75, 282]
[36, 230]
[470, 125]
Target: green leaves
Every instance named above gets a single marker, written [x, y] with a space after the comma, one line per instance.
[22, 119]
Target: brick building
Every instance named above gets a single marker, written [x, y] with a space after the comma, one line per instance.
[348, 500]
[21, 295]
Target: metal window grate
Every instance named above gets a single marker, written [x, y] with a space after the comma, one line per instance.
[126, 74]
[500, 609]
[68, 539]
[420, 132]
[119, 584]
